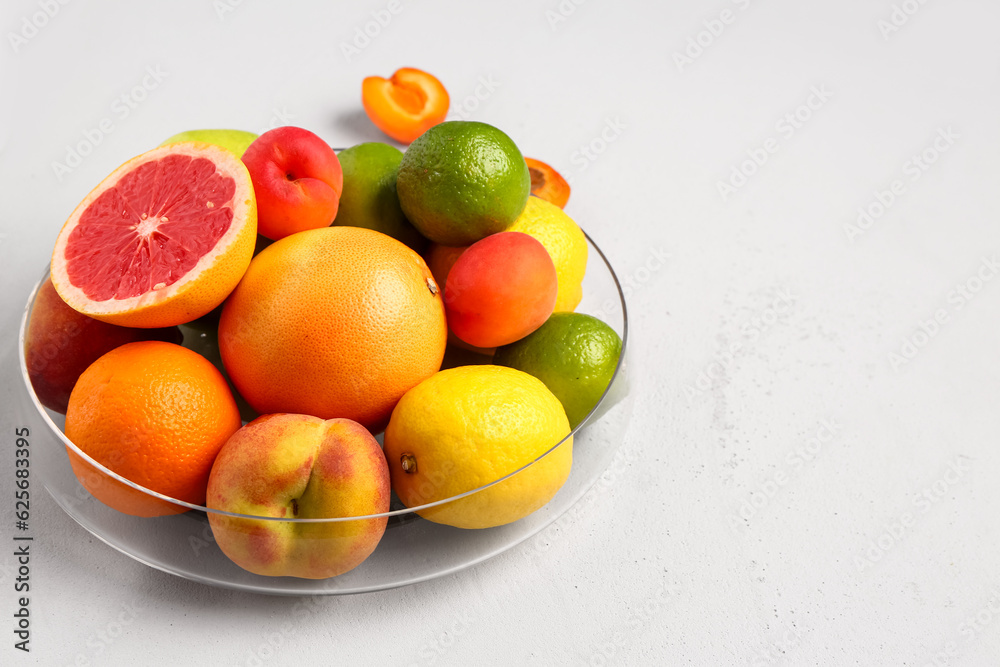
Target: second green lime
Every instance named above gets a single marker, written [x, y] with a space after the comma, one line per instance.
[575, 355]
[369, 198]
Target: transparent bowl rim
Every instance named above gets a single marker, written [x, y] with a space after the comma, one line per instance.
[407, 510]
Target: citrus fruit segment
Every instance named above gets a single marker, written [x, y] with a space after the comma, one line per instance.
[467, 427]
[336, 322]
[155, 413]
[161, 241]
[461, 181]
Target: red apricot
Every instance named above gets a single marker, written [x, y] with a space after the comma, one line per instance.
[500, 289]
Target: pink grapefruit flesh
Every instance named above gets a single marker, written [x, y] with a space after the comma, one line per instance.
[161, 241]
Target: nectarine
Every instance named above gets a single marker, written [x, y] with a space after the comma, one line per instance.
[297, 179]
[292, 467]
[500, 290]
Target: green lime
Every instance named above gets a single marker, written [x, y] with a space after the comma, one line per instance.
[461, 181]
[235, 141]
[575, 355]
[369, 198]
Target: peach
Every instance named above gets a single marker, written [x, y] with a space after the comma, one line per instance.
[500, 289]
[290, 466]
[61, 343]
[297, 179]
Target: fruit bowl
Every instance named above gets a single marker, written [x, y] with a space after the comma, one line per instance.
[413, 549]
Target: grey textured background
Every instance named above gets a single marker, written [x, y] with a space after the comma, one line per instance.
[789, 492]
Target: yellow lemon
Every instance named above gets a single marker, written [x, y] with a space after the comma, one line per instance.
[466, 427]
[565, 242]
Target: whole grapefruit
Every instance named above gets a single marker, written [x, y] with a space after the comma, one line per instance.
[337, 322]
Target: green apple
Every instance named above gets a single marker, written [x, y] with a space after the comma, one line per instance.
[235, 141]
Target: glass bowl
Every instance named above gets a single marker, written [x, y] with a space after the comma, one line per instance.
[412, 549]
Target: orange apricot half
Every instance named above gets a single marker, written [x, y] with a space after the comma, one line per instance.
[547, 183]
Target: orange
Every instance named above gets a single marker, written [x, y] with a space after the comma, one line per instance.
[155, 413]
[162, 240]
[336, 322]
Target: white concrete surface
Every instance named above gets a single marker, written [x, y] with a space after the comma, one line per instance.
[807, 499]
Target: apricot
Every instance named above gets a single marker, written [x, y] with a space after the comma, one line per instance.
[405, 105]
[440, 259]
[547, 183]
[500, 289]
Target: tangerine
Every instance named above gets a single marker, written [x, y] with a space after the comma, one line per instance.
[155, 413]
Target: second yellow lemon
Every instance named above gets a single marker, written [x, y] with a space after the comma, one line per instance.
[466, 427]
[565, 243]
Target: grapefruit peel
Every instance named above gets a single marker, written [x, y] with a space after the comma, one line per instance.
[200, 287]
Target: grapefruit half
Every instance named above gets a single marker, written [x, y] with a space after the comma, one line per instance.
[161, 241]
